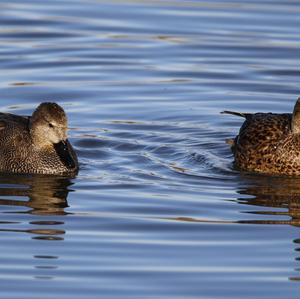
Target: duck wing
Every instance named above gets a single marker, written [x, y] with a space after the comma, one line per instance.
[7, 119]
[12, 128]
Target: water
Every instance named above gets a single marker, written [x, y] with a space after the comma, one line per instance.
[157, 211]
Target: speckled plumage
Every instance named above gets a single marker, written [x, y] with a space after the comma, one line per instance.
[37, 144]
[269, 143]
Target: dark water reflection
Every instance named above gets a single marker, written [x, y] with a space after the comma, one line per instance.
[280, 199]
[47, 195]
[274, 192]
[40, 196]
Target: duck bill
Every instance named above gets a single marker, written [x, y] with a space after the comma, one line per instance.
[65, 152]
[64, 144]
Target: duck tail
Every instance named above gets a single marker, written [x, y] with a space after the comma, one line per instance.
[244, 115]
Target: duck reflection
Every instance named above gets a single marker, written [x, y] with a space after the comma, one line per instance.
[45, 195]
[43, 198]
[281, 193]
[37, 195]
[273, 192]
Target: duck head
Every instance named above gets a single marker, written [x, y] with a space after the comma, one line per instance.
[48, 125]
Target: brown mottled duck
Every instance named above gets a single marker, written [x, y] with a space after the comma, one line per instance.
[38, 143]
[268, 142]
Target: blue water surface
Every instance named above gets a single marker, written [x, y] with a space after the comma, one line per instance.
[157, 210]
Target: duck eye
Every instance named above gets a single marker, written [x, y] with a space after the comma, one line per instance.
[50, 125]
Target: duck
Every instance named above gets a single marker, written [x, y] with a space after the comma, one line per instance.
[268, 143]
[37, 144]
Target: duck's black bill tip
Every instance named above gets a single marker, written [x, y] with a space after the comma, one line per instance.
[65, 153]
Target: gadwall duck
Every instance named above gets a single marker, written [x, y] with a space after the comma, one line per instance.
[38, 143]
[268, 142]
